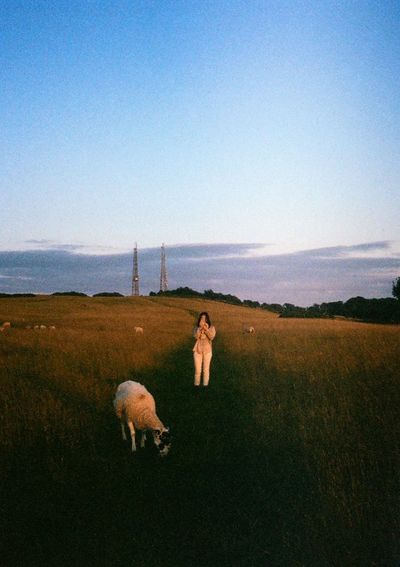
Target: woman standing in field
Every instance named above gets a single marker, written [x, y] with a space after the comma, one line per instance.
[204, 333]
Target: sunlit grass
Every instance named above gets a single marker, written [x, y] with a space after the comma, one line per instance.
[293, 454]
[331, 389]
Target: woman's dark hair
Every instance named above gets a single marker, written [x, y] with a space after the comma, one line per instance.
[206, 316]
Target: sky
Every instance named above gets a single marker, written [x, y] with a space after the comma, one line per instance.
[263, 135]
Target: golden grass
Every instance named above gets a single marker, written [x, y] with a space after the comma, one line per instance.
[317, 396]
[330, 388]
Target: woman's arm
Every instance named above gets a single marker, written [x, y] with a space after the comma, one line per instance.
[196, 332]
[210, 333]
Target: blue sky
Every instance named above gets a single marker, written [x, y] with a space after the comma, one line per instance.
[224, 122]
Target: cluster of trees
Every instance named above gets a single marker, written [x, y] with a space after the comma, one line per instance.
[384, 310]
[73, 293]
[109, 294]
[207, 294]
[217, 296]
[396, 288]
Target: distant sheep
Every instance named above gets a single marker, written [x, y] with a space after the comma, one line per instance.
[135, 407]
[138, 330]
[52, 327]
[6, 325]
[250, 330]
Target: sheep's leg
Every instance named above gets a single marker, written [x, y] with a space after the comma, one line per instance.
[143, 439]
[132, 430]
[123, 430]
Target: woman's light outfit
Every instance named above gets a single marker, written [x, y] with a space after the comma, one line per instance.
[202, 353]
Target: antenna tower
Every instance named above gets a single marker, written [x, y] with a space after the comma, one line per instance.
[135, 272]
[163, 275]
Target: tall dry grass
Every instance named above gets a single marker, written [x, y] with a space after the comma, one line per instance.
[327, 393]
[292, 458]
[46, 375]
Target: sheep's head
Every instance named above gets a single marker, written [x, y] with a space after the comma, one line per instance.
[162, 439]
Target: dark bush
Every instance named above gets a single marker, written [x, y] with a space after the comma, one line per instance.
[108, 294]
[73, 293]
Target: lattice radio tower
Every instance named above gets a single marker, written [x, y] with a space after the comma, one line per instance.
[135, 272]
[163, 275]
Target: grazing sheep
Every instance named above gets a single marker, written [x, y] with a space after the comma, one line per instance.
[52, 327]
[135, 406]
[138, 330]
[250, 330]
[42, 327]
[6, 325]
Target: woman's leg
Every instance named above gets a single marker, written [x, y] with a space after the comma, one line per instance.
[206, 368]
[197, 367]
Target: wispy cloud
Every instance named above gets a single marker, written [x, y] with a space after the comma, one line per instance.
[76, 247]
[344, 251]
[301, 277]
[207, 251]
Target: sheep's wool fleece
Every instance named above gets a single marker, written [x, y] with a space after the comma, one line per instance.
[136, 404]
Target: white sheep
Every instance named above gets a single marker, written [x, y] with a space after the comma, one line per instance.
[52, 327]
[138, 330]
[250, 330]
[135, 406]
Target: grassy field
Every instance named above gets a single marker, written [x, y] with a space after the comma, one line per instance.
[291, 458]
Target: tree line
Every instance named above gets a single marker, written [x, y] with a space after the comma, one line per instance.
[383, 310]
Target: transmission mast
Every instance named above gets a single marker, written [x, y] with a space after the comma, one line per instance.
[163, 275]
[135, 272]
